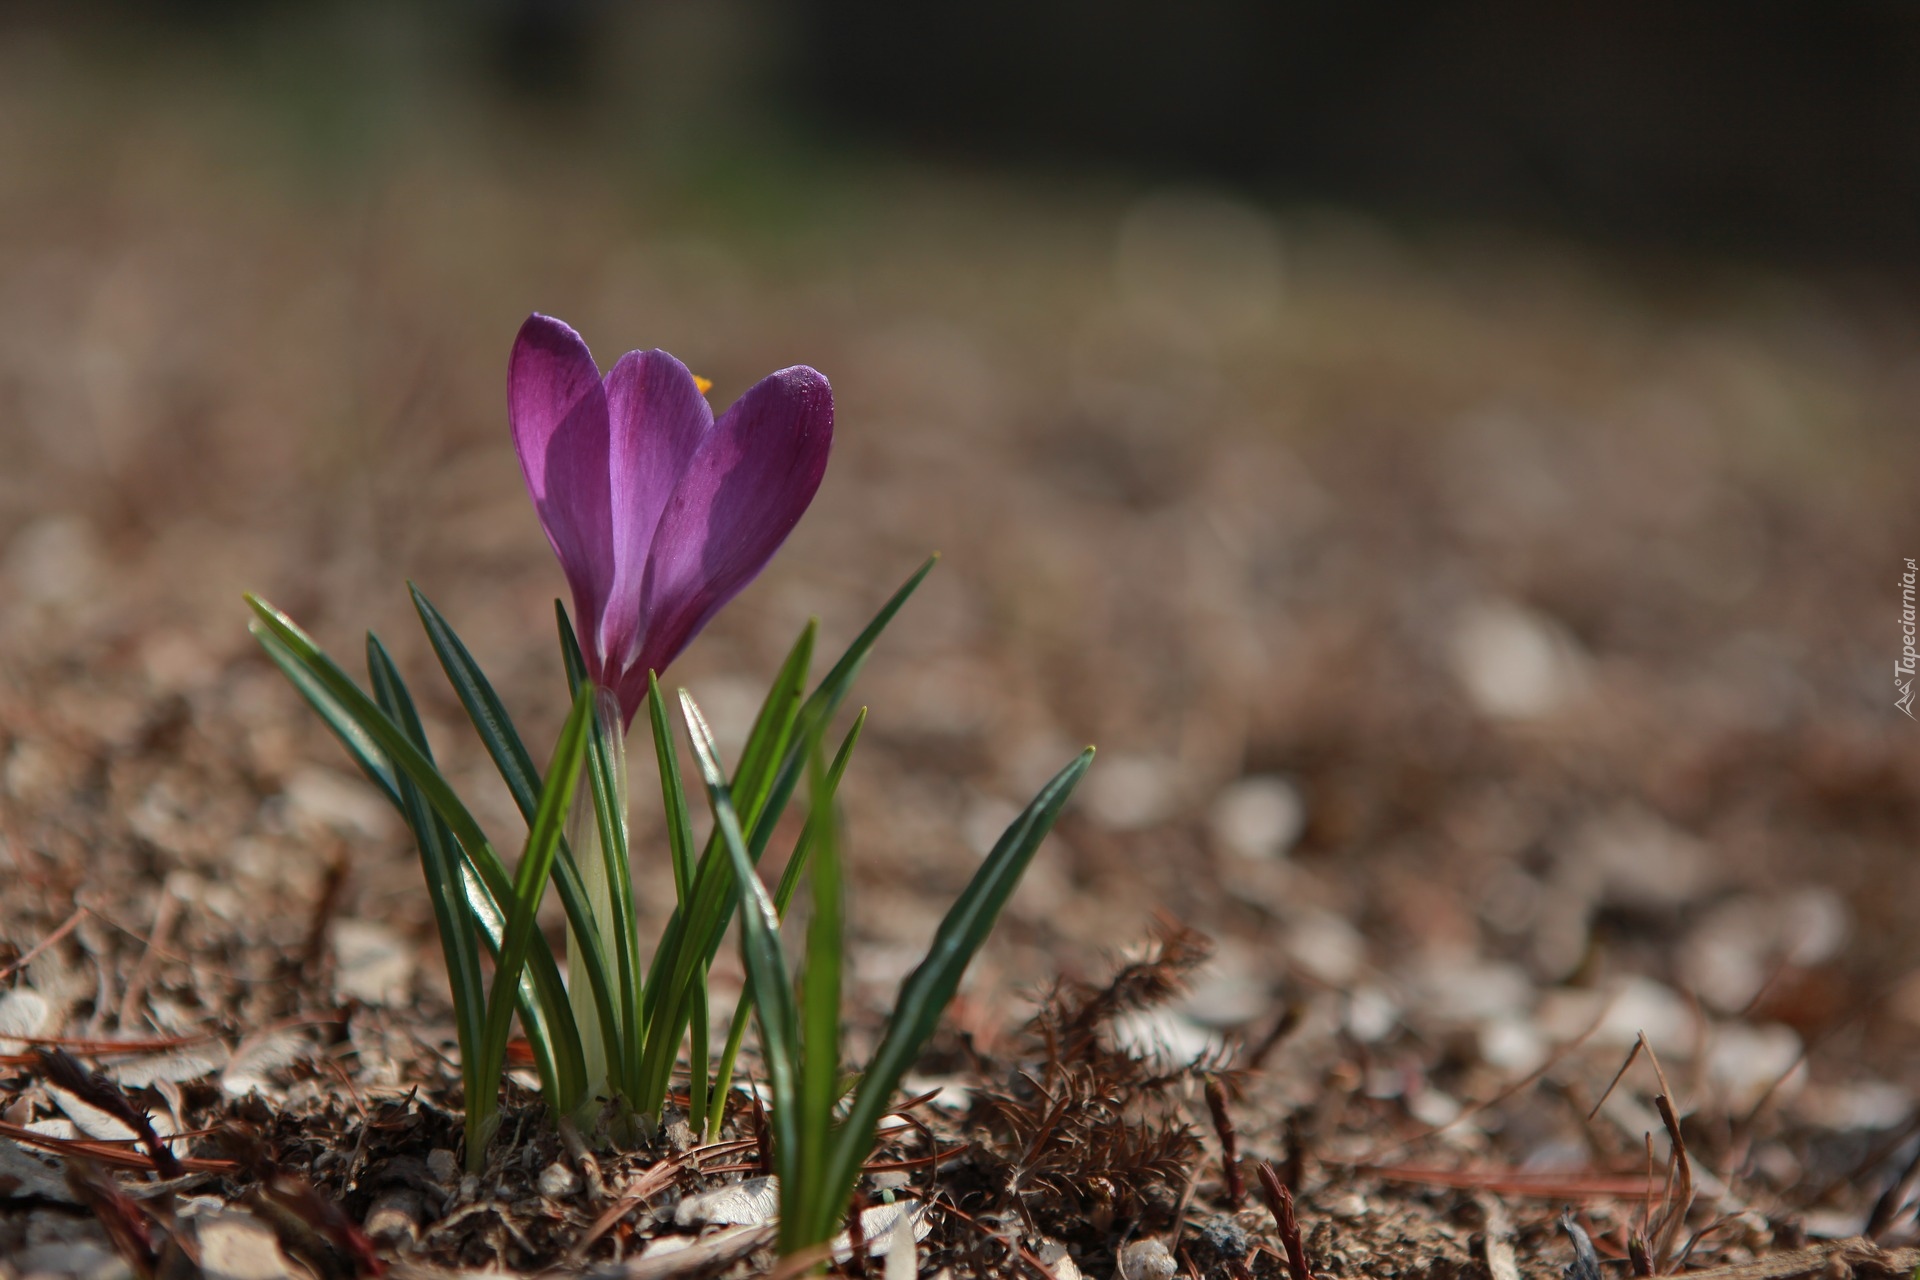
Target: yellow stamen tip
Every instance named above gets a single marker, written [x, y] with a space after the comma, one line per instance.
[705, 384]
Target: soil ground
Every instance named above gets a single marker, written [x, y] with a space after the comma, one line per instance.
[1490, 643]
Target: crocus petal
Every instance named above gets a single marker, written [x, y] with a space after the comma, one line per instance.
[659, 419]
[558, 409]
[742, 493]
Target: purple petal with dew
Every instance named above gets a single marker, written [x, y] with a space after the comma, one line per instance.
[558, 409]
[659, 419]
[740, 497]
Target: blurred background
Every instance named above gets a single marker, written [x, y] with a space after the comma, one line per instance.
[1457, 461]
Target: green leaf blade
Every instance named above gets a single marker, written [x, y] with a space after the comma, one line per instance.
[782, 896]
[927, 991]
[820, 1005]
[693, 933]
[673, 792]
[515, 765]
[530, 882]
[478, 855]
[760, 949]
[440, 867]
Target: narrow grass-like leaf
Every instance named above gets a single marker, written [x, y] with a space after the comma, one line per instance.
[819, 1017]
[782, 896]
[440, 867]
[556, 1054]
[693, 933]
[673, 792]
[478, 852]
[607, 772]
[358, 742]
[482, 704]
[802, 848]
[760, 949]
[692, 937]
[515, 765]
[773, 727]
[701, 1102]
[832, 689]
[572, 659]
[699, 1061]
[773, 723]
[529, 887]
[825, 700]
[927, 991]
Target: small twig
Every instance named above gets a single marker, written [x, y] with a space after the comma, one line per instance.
[648, 1185]
[118, 1154]
[1693, 1241]
[66, 927]
[333, 882]
[1638, 1044]
[164, 915]
[1235, 1185]
[1647, 1199]
[1256, 1056]
[1681, 1202]
[1519, 1086]
[1280, 1200]
[857, 1233]
[93, 1048]
[67, 1072]
[1294, 1164]
[1837, 1258]
[1892, 1200]
[128, 1225]
[1571, 1185]
[589, 1167]
[872, 1166]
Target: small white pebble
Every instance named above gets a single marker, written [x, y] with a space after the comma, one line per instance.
[1347, 1207]
[557, 1182]
[1371, 1015]
[23, 1012]
[1324, 945]
[1147, 1260]
[1432, 1108]
[1514, 663]
[1258, 817]
[1511, 1044]
[372, 963]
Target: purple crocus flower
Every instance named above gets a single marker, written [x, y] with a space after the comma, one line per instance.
[658, 513]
